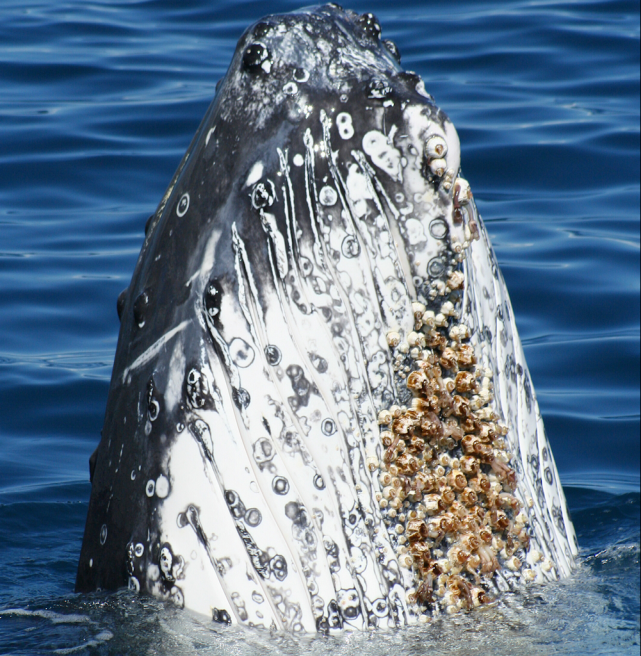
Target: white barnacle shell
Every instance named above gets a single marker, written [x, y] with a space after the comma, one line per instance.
[393, 339]
[435, 147]
[438, 167]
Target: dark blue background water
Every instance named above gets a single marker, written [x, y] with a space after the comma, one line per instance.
[98, 102]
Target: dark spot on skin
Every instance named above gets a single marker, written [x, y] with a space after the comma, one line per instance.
[378, 90]
[272, 355]
[220, 616]
[261, 30]
[241, 398]
[254, 56]
[213, 299]
[236, 506]
[278, 566]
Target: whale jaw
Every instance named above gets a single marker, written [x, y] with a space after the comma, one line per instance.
[320, 416]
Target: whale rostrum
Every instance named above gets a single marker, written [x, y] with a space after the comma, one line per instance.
[320, 415]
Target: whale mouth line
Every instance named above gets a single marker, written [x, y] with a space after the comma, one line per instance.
[347, 422]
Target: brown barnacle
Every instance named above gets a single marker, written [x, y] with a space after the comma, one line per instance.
[486, 535]
[460, 405]
[434, 531]
[416, 530]
[509, 501]
[480, 483]
[457, 555]
[385, 479]
[403, 424]
[448, 496]
[469, 424]
[465, 356]
[420, 405]
[423, 482]
[460, 588]
[483, 450]
[428, 455]
[457, 480]
[449, 523]
[468, 496]
[465, 381]
[480, 597]
[448, 358]
[469, 443]
[498, 520]
[416, 445]
[486, 431]
[434, 504]
[431, 425]
[478, 513]
[416, 380]
[470, 542]
[407, 464]
[421, 553]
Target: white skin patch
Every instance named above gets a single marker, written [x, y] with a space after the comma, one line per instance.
[383, 154]
[255, 174]
[344, 125]
[358, 190]
[415, 232]
[299, 160]
[162, 486]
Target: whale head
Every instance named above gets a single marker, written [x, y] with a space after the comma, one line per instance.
[320, 414]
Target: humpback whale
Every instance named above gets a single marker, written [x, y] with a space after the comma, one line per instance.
[320, 416]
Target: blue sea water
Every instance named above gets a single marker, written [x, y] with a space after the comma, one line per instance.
[98, 102]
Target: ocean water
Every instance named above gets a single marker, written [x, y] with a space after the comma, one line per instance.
[98, 102]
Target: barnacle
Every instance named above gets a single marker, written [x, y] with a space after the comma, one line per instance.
[447, 487]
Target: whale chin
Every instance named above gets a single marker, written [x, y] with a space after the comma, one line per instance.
[320, 415]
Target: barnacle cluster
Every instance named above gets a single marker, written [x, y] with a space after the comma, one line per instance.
[447, 484]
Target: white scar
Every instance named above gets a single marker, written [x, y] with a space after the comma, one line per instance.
[153, 350]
